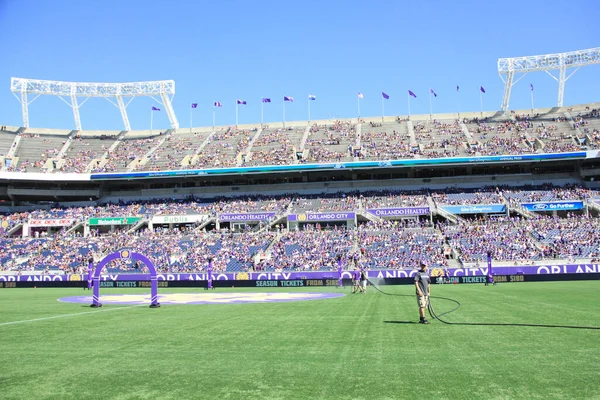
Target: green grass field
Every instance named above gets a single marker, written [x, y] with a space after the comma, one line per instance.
[354, 347]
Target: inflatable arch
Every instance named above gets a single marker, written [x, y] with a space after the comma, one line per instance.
[119, 255]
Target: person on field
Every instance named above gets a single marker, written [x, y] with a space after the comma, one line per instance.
[355, 279]
[422, 284]
[363, 281]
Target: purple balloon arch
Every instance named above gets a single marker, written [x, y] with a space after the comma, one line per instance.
[125, 254]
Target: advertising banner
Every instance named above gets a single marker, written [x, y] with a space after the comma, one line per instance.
[476, 209]
[114, 221]
[326, 216]
[51, 222]
[349, 165]
[553, 205]
[399, 211]
[291, 275]
[179, 219]
[246, 217]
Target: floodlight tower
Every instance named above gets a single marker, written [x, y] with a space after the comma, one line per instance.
[165, 90]
[546, 63]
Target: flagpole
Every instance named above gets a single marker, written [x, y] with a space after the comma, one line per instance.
[458, 97]
[481, 101]
[283, 113]
[191, 109]
[408, 95]
[430, 107]
[213, 118]
[382, 109]
[262, 113]
[358, 100]
[236, 114]
[532, 102]
[151, 119]
[309, 109]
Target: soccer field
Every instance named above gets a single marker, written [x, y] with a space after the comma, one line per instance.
[351, 347]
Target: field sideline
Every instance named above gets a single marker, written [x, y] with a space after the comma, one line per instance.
[352, 347]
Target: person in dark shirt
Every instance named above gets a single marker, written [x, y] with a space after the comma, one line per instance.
[422, 285]
[363, 281]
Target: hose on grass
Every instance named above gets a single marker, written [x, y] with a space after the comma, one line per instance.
[434, 315]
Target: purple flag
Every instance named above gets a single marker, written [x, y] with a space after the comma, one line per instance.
[531, 84]
[433, 93]
[155, 109]
[457, 87]
[385, 96]
[410, 93]
[241, 102]
[482, 89]
[288, 98]
[217, 104]
[266, 100]
[194, 105]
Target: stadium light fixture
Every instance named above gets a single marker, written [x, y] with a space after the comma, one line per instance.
[546, 63]
[72, 90]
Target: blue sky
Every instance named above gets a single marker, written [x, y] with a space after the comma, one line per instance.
[233, 49]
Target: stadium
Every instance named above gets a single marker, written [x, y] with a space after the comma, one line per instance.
[502, 206]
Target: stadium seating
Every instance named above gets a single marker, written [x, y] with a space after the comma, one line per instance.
[47, 150]
[377, 243]
[388, 245]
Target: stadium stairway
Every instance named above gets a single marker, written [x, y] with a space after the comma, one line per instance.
[435, 210]
[466, 131]
[592, 205]
[101, 162]
[304, 139]
[63, 150]
[569, 118]
[59, 160]
[357, 144]
[77, 225]
[498, 114]
[277, 238]
[431, 204]
[142, 160]
[521, 211]
[449, 216]
[411, 133]
[202, 146]
[279, 219]
[14, 230]
[15, 145]
[13, 161]
[369, 216]
[249, 148]
[138, 226]
[207, 222]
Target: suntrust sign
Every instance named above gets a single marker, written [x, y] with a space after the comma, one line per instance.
[553, 206]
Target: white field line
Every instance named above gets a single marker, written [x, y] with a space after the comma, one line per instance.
[67, 315]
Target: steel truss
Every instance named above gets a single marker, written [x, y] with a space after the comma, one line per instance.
[165, 90]
[546, 63]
